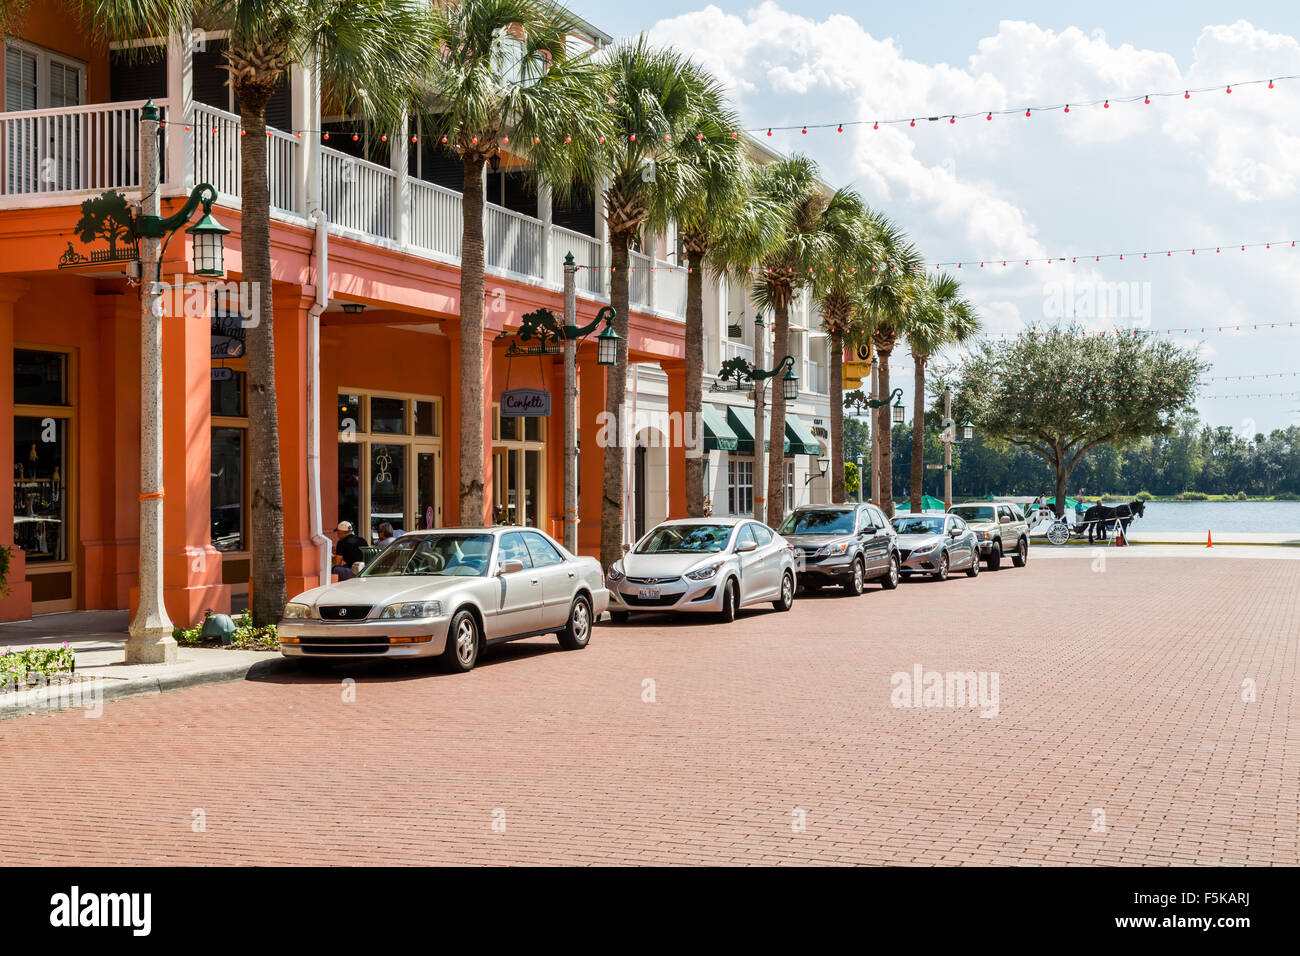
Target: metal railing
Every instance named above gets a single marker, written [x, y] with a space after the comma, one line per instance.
[356, 194]
[639, 279]
[512, 241]
[436, 221]
[670, 288]
[587, 252]
[71, 149]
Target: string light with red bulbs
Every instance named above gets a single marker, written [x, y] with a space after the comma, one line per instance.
[1118, 256]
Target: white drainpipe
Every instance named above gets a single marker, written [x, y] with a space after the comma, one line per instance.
[314, 518]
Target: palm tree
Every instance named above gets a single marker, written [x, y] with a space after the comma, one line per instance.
[836, 291]
[658, 100]
[889, 304]
[368, 53]
[945, 318]
[723, 226]
[805, 248]
[503, 79]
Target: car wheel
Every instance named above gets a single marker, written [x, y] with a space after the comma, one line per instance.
[1021, 557]
[995, 556]
[730, 600]
[941, 574]
[461, 653]
[577, 632]
[890, 580]
[619, 617]
[786, 600]
[857, 578]
[974, 570]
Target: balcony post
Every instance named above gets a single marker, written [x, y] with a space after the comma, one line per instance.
[546, 214]
[602, 237]
[399, 162]
[304, 90]
[180, 109]
[652, 250]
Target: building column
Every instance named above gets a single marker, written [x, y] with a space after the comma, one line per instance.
[399, 163]
[191, 566]
[180, 99]
[591, 453]
[16, 605]
[301, 557]
[552, 269]
[680, 434]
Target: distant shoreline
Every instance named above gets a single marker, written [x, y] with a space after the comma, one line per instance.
[1196, 498]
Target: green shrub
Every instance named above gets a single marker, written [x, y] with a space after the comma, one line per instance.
[1193, 496]
[246, 636]
[1144, 496]
[1288, 496]
[19, 667]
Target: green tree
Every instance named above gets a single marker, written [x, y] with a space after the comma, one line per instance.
[503, 80]
[370, 54]
[944, 318]
[889, 305]
[657, 101]
[1061, 393]
[837, 290]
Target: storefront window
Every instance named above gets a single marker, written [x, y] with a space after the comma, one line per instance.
[388, 415]
[40, 378]
[350, 484]
[426, 419]
[228, 393]
[350, 414]
[40, 491]
[740, 486]
[228, 489]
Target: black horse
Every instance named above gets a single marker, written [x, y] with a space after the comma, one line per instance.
[1100, 517]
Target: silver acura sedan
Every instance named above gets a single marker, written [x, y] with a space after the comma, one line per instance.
[703, 564]
[936, 544]
[449, 593]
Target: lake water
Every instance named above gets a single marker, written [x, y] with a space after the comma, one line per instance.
[1258, 516]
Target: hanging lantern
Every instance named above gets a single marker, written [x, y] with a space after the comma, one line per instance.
[898, 410]
[790, 384]
[209, 252]
[607, 347]
[967, 430]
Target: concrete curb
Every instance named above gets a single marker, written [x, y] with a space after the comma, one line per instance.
[49, 699]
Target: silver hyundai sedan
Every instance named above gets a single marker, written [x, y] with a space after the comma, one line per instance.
[449, 594]
[703, 564]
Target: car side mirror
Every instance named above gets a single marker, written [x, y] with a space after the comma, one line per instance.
[1006, 519]
[955, 532]
[510, 566]
[746, 546]
[869, 530]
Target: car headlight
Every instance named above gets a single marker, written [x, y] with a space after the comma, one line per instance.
[615, 572]
[703, 574]
[297, 612]
[830, 549]
[925, 548]
[411, 610]
[986, 535]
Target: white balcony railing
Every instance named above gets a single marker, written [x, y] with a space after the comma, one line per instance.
[670, 288]
[357, 194]
[588, 254]
[71, 149]
[62, 152]
[512, 241]
[639, 278]
[436, 221]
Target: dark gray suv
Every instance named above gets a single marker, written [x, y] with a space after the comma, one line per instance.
[847, 544]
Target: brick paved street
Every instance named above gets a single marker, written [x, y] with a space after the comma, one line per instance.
[1118, 691]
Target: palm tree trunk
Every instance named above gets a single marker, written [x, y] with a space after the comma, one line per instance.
[836, 451]
[886, 431]
[918, 432]
[266, 516]
[776, 392]
[611, 503]
[695, 385]
[472, 511]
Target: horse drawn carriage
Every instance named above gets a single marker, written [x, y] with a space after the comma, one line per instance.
[1098, 522]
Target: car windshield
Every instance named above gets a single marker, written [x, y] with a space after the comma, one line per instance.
[685, 539]
[975, 512]
[919, 524]
[450, 555]
[819, 521]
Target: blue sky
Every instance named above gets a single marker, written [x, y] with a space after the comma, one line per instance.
[1216, 169]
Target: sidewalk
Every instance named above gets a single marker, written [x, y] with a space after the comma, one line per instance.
[98, 638]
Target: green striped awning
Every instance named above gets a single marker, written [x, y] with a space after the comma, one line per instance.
[741, 420]
[799, 439]
[718, 435]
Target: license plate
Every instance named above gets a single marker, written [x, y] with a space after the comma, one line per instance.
[647, 592]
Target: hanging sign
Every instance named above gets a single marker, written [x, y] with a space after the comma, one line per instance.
[227, 335]
[222, 374]
[526, 403]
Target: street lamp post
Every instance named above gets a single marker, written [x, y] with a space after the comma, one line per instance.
[737, 374]
[860, 479]
[949, 435]
[543, 326]
[150, 638]
[863, 404]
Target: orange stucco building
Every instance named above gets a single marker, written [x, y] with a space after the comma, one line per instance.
[386, 396]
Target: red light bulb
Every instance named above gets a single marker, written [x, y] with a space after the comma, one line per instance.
[805, 131]
[1229, 90]
[1106, 105]
[355, 137]
[769, 132]
[989, 117]
[951, 120]
[875, 126]
[1187, 95]
[1146, 100]
[1270, 84]
[1026, 114]
[1067, 107]
[840, 128]
[913, 123]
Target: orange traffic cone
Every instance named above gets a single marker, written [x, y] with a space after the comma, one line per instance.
[1209, 539]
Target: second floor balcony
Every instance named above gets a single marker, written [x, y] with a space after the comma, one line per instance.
[60, 156]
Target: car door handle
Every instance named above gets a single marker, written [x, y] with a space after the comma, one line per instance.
[572, 575]
[534, 580]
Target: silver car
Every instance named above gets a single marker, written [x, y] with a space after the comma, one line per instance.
[449, 593]
[936, 544]
[703, 564]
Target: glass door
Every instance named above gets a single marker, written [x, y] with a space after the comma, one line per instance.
[428, 499]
